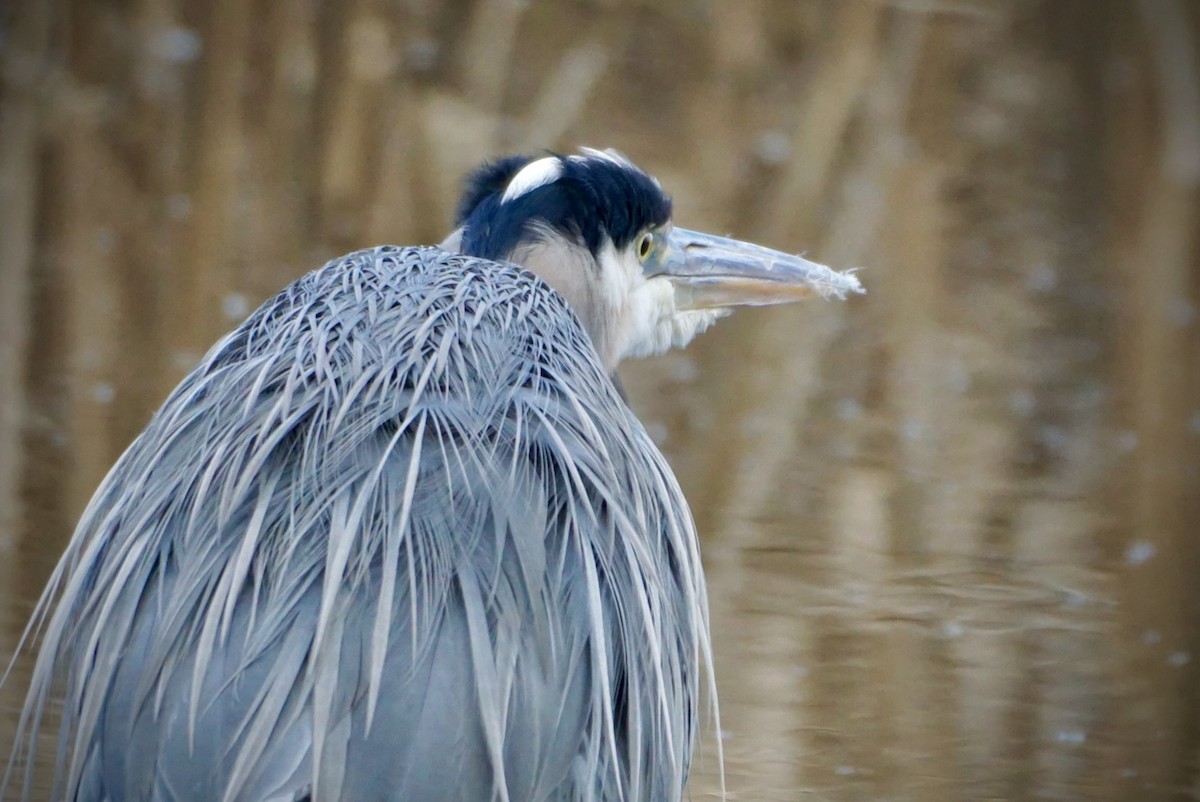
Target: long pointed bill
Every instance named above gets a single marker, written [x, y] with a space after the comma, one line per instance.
[710, 272]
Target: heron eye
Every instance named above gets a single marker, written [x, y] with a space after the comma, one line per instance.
[645, 246]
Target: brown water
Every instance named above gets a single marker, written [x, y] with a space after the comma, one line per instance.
[858, 673]
[951, 527]
[864, 655]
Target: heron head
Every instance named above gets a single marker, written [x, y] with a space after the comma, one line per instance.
[598, 230]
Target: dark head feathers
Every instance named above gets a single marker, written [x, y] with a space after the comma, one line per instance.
[594, 196]
[490, 179]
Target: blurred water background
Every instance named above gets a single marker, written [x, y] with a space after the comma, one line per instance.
[952, 528]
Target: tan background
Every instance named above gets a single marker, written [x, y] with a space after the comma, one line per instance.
[952, 528]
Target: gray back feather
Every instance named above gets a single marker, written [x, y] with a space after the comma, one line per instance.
[396, 537]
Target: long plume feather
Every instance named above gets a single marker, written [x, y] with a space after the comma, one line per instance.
[398, 520]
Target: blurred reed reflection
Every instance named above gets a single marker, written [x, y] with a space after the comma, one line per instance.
[950, 527]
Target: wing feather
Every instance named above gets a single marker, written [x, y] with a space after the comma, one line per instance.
[397, 536]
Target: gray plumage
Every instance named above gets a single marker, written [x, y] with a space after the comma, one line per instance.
[396, 537]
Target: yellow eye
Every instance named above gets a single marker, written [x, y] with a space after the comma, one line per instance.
[645, 246]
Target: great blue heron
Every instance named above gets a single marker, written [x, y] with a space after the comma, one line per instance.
[398, 536]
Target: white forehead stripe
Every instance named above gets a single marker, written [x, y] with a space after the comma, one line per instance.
[531, 176]
[614, 157]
